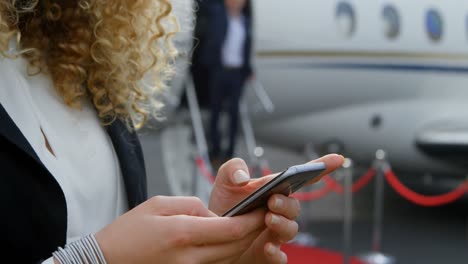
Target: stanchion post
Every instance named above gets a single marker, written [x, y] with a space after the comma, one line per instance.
[348, 210]
[303, 237]
[379, 202]
[376, 256]
[202, 147]
[195, 176]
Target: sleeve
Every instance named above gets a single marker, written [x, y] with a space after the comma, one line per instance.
[209, 47]
[249, 46]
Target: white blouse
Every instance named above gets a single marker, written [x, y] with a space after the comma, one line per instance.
[233, 46]
[83, 162]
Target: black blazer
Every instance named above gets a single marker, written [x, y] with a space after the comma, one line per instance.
[217, 26]
[33, 210]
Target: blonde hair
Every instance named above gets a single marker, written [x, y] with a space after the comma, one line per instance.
[117, 52]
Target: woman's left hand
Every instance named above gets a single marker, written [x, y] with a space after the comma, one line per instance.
[234, 184]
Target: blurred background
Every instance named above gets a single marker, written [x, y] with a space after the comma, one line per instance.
[384, 83]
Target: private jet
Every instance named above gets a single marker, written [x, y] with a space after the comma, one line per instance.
[356, 76]
[367, 75]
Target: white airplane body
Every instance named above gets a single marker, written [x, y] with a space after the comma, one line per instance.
[366, 75]
[364, 80]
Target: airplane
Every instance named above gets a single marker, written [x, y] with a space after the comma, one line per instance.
[356, 76]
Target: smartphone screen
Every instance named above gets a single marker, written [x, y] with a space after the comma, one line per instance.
[287, 182]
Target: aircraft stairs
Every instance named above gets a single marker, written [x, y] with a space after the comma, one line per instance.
[183, 142]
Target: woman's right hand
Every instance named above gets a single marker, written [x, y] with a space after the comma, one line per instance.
[178, 230]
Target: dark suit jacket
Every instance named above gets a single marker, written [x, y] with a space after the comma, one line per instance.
[33, 210]
[217, 25]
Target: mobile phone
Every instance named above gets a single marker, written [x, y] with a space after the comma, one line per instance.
[287, 182]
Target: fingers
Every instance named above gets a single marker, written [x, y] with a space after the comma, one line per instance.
[283, 210]
[274, 255]
[332, 162]
[167, 206]
[283, 228]
[286, 206]
[199, 231]
[227, 252]
[234, 172]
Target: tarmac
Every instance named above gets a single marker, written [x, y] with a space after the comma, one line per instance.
[411, 234]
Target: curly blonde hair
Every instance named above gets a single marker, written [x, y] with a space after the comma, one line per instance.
[118, 53]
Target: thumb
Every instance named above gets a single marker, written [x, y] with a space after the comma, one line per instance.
[233, 173]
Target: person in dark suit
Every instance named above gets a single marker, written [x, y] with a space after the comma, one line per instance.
[73, 181]
[227, 56]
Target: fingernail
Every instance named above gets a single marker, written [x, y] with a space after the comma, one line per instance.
[298, 204]
[284, 258]
[240, 176]
[278, 203]
[274, 219]
[271, 249]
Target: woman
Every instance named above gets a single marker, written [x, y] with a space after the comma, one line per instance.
[73, 183]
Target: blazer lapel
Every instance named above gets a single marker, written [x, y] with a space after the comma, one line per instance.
[128, 149]
[10, 131]
[126, 145]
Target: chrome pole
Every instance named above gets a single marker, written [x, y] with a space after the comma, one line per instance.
[255, 153]
[195, 115]
[263, 97]
[202, 147]
[379, 201]
[247, 130]
[348, 210]
[376, 256]
[303, 237]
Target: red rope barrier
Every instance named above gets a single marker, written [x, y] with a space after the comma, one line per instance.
[332, 185]
[425, 200]
[204, 169]
[266, 171]
[364, 180]
[356, 187]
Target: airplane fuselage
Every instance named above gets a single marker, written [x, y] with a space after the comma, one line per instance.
[366, 75]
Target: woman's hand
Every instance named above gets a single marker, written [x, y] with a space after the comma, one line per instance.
[234, 184]
[178, 230]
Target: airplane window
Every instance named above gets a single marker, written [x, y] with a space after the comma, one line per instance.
[392, 21]
[346, 18]
[434, 25]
